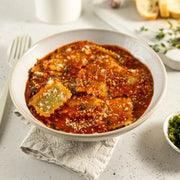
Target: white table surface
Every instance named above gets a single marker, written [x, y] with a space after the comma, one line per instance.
[142, 153]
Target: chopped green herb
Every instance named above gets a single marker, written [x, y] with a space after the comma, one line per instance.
[143, 29]
[160, 35]
[174, 130]
[171, 34]
[178, 29]
[59, 129]
[108, 122]
[53, 125]
[56, 75]
[66, 69]
[175, 42]
[33, 91]
[155, 47]
[170, 24]
[136, 116]
[163, 45]
[136, 108]
[82, 107]
[165, 51]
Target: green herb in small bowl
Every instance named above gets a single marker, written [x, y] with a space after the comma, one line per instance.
[172, 130]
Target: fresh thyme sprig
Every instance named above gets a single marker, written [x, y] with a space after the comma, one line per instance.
[172, 35]
[161, 34]
[143, 29]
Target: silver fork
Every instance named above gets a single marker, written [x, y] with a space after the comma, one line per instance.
[16, 50]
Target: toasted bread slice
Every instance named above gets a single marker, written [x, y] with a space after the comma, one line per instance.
[148, 9]
[174, 8]
[163, 7]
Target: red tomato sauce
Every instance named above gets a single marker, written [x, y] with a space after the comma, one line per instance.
[108, 88]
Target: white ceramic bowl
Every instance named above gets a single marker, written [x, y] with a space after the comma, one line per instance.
[171, 59]
[138, 48]
[165, 130]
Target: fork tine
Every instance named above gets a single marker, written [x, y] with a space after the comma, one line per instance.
[27, 42]
[22, 50]
[18, 47]
[13, 50]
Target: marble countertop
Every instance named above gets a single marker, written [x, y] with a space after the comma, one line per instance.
[142, 153]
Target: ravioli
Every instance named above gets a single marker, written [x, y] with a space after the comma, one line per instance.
[49, 98]
[118, 112]
[86, 88]
[92, 80]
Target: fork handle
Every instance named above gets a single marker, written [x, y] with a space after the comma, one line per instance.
[3, 99]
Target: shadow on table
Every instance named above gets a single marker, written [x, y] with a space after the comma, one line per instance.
[156, 153]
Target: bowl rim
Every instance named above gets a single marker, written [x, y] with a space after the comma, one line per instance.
[84, 137]
[165, 130]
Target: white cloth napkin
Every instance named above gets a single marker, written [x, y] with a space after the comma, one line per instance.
[88, 159]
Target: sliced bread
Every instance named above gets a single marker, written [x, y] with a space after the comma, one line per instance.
[148, 9]
[174, 8]
[163, 8]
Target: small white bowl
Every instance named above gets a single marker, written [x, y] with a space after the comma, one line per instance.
[165, 129]
[171, 59]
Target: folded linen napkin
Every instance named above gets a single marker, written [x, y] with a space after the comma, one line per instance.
[87, 159]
